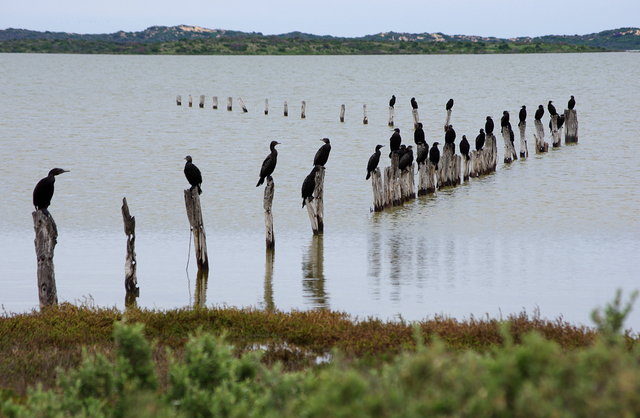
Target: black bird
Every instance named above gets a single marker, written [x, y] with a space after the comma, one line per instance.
[512, 135]
[434, 154]
[308, 185]
[373, 161]
[488, 125]
[43, 192]
[407, 159]
[322, 155]
[414, 104]
[449, 104]
[464, 147]
[192, 173]
[560, 121]
[423, 154]
[480, 140]
[392, 102]
[551, 108]
[395, 141]
[418, 134]
[401, 151]
[449, 135]
[540, 112]
[572, 103]
[523, 114]
[269, 163]
[504, 120]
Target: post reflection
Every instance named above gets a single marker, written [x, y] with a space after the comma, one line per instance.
[202, 280]
[313, 274]
[268, 280]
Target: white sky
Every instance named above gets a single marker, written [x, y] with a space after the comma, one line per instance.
[500, 18]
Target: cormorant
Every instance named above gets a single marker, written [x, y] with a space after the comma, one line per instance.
[373, 161]
[43, 192]
[269, 163]
[480, 140]
[392, 102]
[308, 185]
[551, 108]
[464, 147]
[504, 120]
[395, 141]
[434, 154]
[418, 134]
[322, 155]
[512, 135]
[423, 154]
[488, 125]
[449, 135]
[192, 173]
[407, 159]
[560, 121]
[523, 114]
[449, 104]
[572, 103]
[401, 151]
[414, 104]
[540, 112]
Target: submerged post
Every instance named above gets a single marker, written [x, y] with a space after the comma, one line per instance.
[130, 279]
[266, 106]
[201, 103]
[392, 190]
[318, 200]
[555, 133]
[524, 152]
[229, 104]
[244, 108]
[365, 119]
[342, 110]
[509, 149]
[214, 99]
[45, 243]
[391, 115]
[570, 126]
[190, 101]
[378, 190]
[286, 108]
[303, 110]
[269, 191]
[541, 145]
[179, 100]
[194, 213]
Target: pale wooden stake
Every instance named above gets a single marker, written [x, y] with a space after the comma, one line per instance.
[269, 191]
[407, 184]
[201, 104]
[447, 119]
[286, 108]
[269, 305]
[555, 133]
[509, 149]
[190, 101]
[266, 106]
[130, 264]
[318, 200]
[422, 172]
[432, 177]
[215, 102]
[466, 165]
[179, 100]
[484, 161]
[570, 126]
[416, 118]
[311, 211]
[194, 213]
[303, 110]
[391, 115]
[342, 110]
[524, 152]
[541, 145]
[202, 279]
[45, 243]
[378, 190]
[365, 119]
[229, 104]
[244, 108]
[449, 167]
[392, 189]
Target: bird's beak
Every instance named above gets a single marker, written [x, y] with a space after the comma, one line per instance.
[66, 171]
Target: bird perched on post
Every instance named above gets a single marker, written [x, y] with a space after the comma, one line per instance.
[560, 121]
[449, 135]
[551, 108]
[504, 120]
[480, 140]
[373, 161]
[392, 102]
[309, 185]
[423, 153]
[192, 173]
[418, 134]
[434, 154]
[414, 104]
[407, 159]
[488, 126]
[395, 141]
[539, 112]
[449, 104]
[269, 163]
[43, 192]
[464, 147]
[572, 103]
[523, 114]
[322, 155]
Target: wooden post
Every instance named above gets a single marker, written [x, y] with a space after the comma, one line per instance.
[541, 145]
[416, 118]
[303, 110]
[244, 108]
[190, 101]
[179, 100]
[318, 200]
[491, 144]
[570, 126]
[313, 219]
[45, 243]
[466, 163]
[432, 177]
[130, 264]
[378, 190]
[524, 152]
[509, 149]
[407, 184]
[422, 177]
[342, 109]
[201, 104]
[229, 104]
[266, 106]
[269, 305]
[447, 119]
[391, 115]
[269, 191]
[555, 133]
[202, 279]
[392, 189]
[365, 119]
[215, 102]
[286, 108]
[194, 213]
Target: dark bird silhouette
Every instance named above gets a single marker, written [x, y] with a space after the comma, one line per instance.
[309, 185]
[480, 140]
[449, 135]
[269, 163]
[464, 147]
[488, 126]
[401, 151]
[572, 103]
[539, 112]
[504, 120]
[392, 102]
[423, 153]
[407, 159]
[523, 114]
[395, 141]
[418, 134]
[322, 155]
[414, 104]
[434, 154]
[551, 108]
[192, 173]
[560, 121]
[449, 104]
[373, 161]
[512, 135]
[43, 192]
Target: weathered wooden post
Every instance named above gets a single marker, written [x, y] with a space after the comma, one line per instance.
[422, 172]
[214, 100]
[570, 126]
[466, 167]
[45, 243]
[416, 118]
[392, 190]
[447, 119]
[194, 213]
[202, 279]
[524, 152]
[449, 167]
[244, 108]
[391, 115]
[179, 100]
[407, 183]
[342, 109]
[509, 149]
[378, 190]
[190, 101]
[269, 191]
[365, 119]
[130, 264]
[269, 305]
[303, 110]
[491, 144]
[432, 178]
[266, 106]
[286, 108]
[201, 103]
[229, 104]
[541, 145]
[555, 133]
[319, 199]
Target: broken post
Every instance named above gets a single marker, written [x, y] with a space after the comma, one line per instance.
[303, 110]
[202, 279]
[416, 118]
[342, 109]
[570, 126]
[541, 145]
[244, 108]
[286, 108]
[229, 104]
[201, 103]
[45, 243]
[378, 190]
[422, 172]
[194, 214]
[509, 149]
[447, 119]
[449, 167]
[365, 120]
[555, 133]
[524, 152]
[432, 177]
[318, 200]
[214, 99]
[130, 279]
[392, 191]
[269, 305]
[269, 191]
[179, 100]
[391, 115]
[407, 184]
[190, 101]
[266, 106]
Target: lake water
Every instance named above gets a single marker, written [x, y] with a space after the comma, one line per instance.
[557, 233]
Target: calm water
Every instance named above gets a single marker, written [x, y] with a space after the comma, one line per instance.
[557, 233]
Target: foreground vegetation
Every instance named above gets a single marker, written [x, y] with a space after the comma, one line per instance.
[521, 367]
[283, 46]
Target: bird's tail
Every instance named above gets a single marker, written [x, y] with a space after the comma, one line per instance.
[303, 201]
[260, 181]
[199, 189]
[368, 175]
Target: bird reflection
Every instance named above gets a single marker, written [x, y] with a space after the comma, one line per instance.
[202, 280]
[268, 280]
[313, 271]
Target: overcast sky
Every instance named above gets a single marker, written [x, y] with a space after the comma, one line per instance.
[501, 18]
